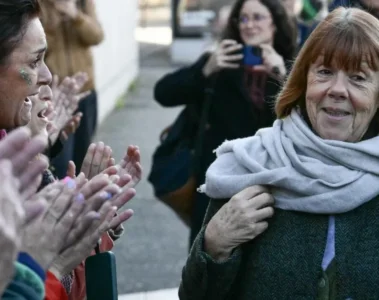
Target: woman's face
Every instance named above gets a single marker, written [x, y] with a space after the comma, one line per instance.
[21, 76]
[341, 105]
[38, 122]
[255, 24]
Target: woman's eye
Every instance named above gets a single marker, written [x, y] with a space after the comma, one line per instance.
[358, 78]
[35, 63]
[324, 72]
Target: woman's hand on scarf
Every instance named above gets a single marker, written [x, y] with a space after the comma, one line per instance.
[226, 56]
[240, 220]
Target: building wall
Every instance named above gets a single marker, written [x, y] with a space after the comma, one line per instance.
[116, 59]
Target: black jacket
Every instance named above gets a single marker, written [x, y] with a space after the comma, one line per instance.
[232, 113]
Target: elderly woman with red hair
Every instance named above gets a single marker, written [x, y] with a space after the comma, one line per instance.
[294, 208]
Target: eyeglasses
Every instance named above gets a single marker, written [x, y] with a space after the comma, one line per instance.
[255, 18]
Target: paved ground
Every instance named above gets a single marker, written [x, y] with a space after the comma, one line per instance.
[151, 254]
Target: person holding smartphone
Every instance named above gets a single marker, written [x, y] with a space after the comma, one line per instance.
[243, 94]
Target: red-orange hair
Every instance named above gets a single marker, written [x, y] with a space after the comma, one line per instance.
[347, 37]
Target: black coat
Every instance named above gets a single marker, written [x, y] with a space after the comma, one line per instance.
[232, 114]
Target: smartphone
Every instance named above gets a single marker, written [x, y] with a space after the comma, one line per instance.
[252, 56]
[101, 277]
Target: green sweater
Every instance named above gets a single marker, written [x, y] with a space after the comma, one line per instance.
[285, 261]
[26, 285]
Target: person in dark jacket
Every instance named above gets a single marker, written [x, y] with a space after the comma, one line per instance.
[243, 98]
[294, 208]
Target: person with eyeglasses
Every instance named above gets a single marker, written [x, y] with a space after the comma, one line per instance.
[242, 100]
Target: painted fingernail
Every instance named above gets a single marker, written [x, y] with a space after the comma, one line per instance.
[80, 198]
[105, 195]
[71, 184]
[66, 179]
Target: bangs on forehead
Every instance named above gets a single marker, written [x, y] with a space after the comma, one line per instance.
[346, 47]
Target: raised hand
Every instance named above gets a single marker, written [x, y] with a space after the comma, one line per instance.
[66, 98]
[12, 217]
[44, 238]
[226, 56]
[97, 160]
[24, 154]
[131, 165]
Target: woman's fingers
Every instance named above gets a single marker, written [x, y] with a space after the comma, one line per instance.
[125, 179]
[31, 171]
[71, 169]
[124, 197]
[60, 204]
[31, 187]
[105, 159]
[228, 49]
[33, 210]
[81, 227]
[120, 218]
[86, 165]
[232, 58]
[110, 170]
[96, 201]
[14, 142]
[21, 160]
[97, 160]
[70, 215]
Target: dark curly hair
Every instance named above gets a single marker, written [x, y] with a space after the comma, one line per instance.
[285, 39]
[14, 18]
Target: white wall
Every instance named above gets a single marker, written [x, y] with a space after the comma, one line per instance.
[116, 59]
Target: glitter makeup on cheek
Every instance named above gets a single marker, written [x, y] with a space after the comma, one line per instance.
[26, 76]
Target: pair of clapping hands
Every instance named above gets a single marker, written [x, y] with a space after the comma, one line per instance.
[60, 225]
[64, 120]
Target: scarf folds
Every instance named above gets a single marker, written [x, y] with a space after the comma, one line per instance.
[303, 171]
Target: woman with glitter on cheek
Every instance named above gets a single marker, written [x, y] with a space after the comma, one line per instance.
[23, 72]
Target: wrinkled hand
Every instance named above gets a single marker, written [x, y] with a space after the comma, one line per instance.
[224, 57]
[66, 98]
[69, 259]
[45, 237]
[130, 165]
[107, 195]
[119, 197]
[12, 217]
[273, 63]
[23, 151]
[240, 220]
[97, 160]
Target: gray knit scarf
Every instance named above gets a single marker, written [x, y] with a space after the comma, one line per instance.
[304, 172]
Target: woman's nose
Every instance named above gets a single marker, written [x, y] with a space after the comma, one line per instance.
[338, 89]
[45, 93]
[44, 76]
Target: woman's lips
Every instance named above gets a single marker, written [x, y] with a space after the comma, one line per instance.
[336, 114]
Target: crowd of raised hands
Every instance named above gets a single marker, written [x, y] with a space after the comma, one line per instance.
[53, 225]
